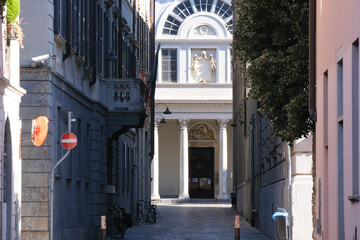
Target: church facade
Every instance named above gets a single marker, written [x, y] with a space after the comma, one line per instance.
[193, 149]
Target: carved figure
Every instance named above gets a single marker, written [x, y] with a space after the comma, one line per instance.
[212, 63]
[194, 66]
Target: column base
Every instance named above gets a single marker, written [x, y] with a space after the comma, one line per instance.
[184, 198]
[223, 198]
[155, 196]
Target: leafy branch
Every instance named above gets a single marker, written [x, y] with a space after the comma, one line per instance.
[270, 37]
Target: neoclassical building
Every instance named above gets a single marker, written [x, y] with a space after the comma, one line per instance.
[193, 150]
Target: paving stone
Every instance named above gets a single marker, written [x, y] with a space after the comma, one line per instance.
[193, 221]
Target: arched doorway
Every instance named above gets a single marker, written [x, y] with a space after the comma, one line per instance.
[7, 184]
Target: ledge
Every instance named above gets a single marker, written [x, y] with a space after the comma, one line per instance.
[59, 39]
[340, 119]
[354, 198]
[79, 59]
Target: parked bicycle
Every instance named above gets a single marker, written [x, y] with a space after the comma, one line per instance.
[118, 221]
[139, 212]
[150, 211]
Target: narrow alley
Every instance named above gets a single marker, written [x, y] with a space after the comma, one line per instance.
[205, 220]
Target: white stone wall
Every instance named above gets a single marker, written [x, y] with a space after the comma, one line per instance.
[10, 98]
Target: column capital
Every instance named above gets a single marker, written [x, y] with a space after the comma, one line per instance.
[156, 123]
[183, 124]
[222, 123]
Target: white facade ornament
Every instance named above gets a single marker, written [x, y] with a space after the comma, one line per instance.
[222, 123]
[202, 67]
[203, 30]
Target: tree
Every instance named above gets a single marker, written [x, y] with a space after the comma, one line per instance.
[271, 37]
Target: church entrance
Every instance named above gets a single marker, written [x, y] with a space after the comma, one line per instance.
[201, 172]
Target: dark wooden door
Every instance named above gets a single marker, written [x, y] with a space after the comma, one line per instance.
[201, 172]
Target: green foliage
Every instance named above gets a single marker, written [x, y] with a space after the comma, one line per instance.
[13, 10]
[272, 37]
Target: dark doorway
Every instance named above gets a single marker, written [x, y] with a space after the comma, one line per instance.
[201, 172]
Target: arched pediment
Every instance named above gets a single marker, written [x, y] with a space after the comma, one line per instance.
[203, 26]
[195, 13]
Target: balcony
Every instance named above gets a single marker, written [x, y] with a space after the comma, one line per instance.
[124, 99]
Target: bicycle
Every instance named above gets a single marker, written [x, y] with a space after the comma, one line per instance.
[139, 213]
[119, 221]
[151, 213]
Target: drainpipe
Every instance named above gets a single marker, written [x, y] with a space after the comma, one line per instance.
[312, 58]
[68, 25]
[289, 190]
[93, 51]
[135, 31]
[252, 170]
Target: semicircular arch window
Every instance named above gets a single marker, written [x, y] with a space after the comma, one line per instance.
[186, 8]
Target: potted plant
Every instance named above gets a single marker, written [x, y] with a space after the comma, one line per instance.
[14, 31]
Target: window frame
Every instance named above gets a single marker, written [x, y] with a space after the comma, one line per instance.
[169, 71]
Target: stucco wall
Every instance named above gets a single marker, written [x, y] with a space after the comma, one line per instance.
[169, 159]
[337, 33]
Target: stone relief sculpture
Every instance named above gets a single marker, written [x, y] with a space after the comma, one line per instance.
[201, 132]
[202, 67]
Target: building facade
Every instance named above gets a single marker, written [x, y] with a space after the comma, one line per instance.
[10, 136]
[90, 58]
[337, 109]
[268, 174]
[193, 150]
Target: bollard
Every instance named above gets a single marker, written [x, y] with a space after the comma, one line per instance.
[103, 227]
[237, 227]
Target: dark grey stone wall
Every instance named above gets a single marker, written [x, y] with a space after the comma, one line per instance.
[79, 178]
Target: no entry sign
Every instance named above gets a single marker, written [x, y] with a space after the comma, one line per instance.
[68, 140]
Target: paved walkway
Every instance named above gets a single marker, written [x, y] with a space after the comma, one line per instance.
[194, 221]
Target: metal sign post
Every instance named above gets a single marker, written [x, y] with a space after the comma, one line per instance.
[70, 119]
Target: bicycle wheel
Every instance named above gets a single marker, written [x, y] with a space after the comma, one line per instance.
[112, 229]
[152, 215]
[140, 218]
[122, 229]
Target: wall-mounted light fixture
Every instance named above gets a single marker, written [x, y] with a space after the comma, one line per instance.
[122, 92]
[167, 111]
[163, 119]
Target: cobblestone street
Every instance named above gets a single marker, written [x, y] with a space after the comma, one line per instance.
[193, 221]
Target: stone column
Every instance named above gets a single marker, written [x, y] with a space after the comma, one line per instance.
[155, 164]
[223, 159]
[184, 160]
